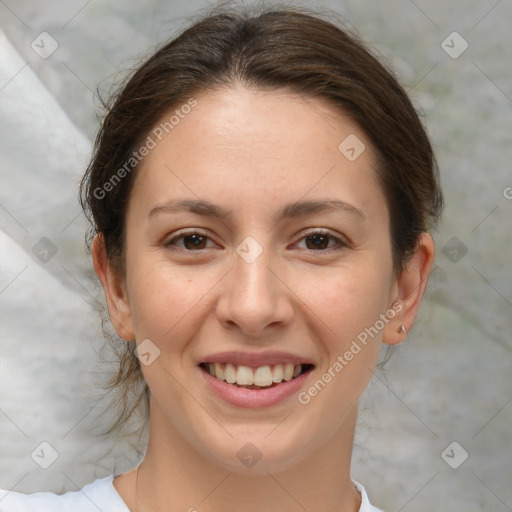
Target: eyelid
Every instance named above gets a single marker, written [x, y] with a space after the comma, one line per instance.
[341, 241]
[187, 232]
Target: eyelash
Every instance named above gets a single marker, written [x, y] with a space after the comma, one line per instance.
[340, 244]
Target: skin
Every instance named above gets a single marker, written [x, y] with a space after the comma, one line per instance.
[252, 152]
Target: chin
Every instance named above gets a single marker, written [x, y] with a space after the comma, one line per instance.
[257, 454]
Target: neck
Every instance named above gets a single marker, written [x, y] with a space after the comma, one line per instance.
[175, 472]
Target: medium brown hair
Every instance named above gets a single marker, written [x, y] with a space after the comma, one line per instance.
[287, 48]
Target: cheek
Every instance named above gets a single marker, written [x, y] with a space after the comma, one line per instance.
[345, 307]
[346, 299]
[161, 298]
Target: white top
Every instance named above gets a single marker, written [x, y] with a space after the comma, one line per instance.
[98, 495]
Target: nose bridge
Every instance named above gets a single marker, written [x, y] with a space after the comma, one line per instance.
[254, 297]
[252, 272]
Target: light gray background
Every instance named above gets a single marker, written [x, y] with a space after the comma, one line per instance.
[449, 382]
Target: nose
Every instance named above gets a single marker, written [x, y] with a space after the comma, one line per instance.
[255, 298]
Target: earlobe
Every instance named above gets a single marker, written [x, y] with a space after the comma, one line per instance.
[409, 290]
[115, 290]
[395, 331]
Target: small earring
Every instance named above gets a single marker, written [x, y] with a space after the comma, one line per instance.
[404, 330]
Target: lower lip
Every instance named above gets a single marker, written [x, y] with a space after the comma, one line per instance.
[254, 398]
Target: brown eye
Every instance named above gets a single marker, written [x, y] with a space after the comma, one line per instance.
[192, 241]
[318, 241]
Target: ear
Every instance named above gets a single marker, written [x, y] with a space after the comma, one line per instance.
[114, 287]
[409, 290]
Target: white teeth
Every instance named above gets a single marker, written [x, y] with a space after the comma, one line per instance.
[244, 376]
[277, 375]
[230, 374]
[219, 372]
[263, 376]
[288, 372]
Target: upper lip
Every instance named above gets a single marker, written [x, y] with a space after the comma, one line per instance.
[255, 359]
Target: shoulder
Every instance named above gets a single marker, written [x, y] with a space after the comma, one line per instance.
[366, 506]
[98, 495]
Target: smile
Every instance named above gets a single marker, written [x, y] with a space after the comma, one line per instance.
[262, 377]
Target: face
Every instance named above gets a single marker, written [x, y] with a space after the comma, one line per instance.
[269, 279]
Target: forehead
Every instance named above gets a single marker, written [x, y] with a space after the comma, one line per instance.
[254, 148]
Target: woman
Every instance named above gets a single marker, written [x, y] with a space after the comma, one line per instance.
[261, 195]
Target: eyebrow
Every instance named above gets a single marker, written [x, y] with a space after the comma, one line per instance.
[291, 210]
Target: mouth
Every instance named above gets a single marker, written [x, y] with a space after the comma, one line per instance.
[254, 378]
